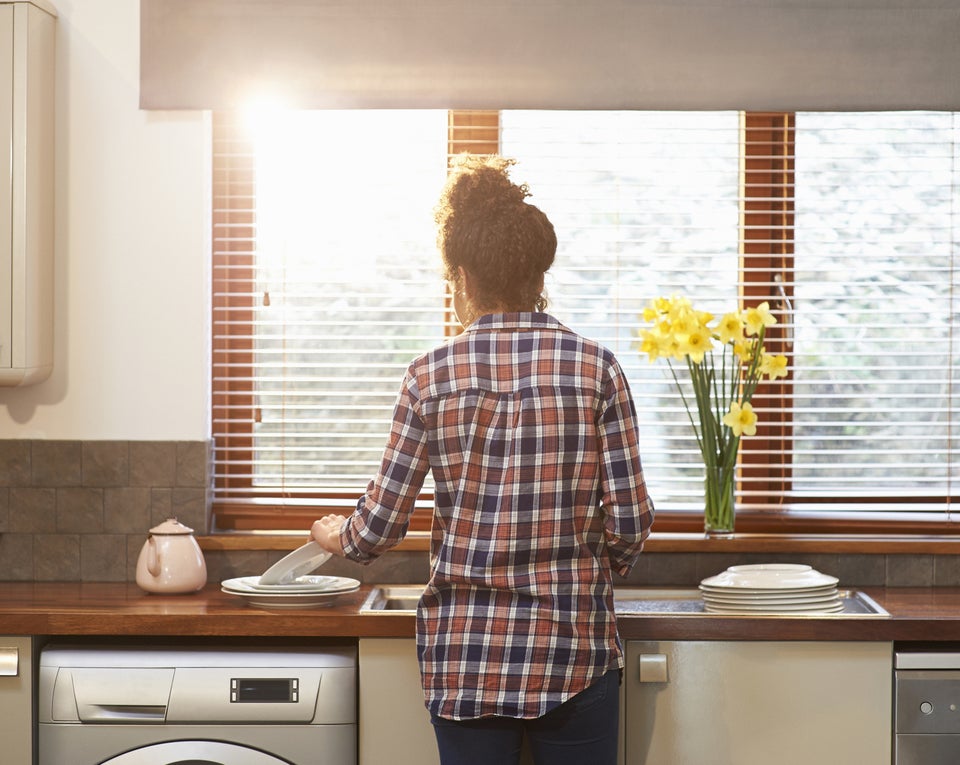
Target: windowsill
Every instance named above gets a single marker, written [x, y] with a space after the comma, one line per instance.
[878, 544]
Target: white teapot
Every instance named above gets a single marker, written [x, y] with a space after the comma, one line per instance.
[171, 561]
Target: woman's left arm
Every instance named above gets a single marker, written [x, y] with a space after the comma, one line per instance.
[628, 509]
[383, 512]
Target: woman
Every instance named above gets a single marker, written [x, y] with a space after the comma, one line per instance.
[530, 432]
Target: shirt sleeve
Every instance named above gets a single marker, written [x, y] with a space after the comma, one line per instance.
[628, 509]
[383, 513]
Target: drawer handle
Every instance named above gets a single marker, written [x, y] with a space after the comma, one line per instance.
[653, 668]
[9, 661]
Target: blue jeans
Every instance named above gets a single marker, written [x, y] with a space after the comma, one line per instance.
[581, 731]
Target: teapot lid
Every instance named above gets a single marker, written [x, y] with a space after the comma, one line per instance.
[171, 526]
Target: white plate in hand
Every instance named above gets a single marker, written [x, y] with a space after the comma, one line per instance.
[301, 561]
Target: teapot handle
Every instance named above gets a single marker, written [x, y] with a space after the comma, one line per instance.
[153, 557]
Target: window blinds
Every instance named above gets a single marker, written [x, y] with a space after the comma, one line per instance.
[856, 255]
[875, 306]
[340, 288]
[327, 284]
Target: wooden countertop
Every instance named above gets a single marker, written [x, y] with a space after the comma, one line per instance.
[90, 609]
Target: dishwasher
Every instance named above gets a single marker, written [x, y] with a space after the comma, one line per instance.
[927, 706]
[202, 705]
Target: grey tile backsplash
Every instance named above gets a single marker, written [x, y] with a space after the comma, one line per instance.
[81, 511]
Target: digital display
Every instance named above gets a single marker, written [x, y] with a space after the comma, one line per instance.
[264, 690]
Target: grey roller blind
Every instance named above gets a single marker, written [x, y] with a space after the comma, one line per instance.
[552, 54]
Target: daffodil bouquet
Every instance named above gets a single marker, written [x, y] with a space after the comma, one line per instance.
[726, 361]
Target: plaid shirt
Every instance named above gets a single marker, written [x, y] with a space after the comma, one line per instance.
[531, 434]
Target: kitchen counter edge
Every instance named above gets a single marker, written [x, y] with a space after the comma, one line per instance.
[122, 609]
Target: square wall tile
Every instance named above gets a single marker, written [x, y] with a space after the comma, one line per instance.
[909, 570]
[106, 463]
[80, 511]
[32, 510]
[56, 557]
[153, 463]
[15, 463]
[56, 463]
[16, 557]
[127, 510]
[103, 557]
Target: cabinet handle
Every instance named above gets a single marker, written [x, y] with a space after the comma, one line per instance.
[653, 668]
[9, 661]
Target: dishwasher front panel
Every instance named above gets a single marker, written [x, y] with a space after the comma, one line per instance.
[928, 702]
[926, 710]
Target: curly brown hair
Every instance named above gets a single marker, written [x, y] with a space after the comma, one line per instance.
[485, 225]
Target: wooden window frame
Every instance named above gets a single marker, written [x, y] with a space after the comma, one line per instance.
[766, 257]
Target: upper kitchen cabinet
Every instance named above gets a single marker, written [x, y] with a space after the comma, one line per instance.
[27, 41]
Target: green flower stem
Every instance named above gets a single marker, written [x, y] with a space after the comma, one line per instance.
[718, 513]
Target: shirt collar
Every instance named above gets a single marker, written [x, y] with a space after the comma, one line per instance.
[513, 321]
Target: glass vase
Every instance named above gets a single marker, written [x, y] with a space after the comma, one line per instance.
[718, 506]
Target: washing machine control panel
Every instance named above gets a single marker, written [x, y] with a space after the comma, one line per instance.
[139, 704]
[264, 690]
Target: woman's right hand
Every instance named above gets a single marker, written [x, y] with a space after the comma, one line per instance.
[326, 533]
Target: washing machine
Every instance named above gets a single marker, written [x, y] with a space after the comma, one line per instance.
[197, 705]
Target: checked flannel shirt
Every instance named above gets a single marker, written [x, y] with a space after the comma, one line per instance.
[531, 434]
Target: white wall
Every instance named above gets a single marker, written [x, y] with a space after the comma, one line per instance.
[132, 233]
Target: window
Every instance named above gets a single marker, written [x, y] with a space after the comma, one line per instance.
[327, 284]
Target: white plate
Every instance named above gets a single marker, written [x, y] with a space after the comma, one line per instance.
[301, 561]
[302, 585]
[777, 568]
[793, 609]
[762, 595]
[770, 576]
[826, 597]
[772, 594]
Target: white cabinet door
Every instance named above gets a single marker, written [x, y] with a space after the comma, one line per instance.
[755, 703]
[27, 85]
[16, 700]
[6, 187]
[394, 724]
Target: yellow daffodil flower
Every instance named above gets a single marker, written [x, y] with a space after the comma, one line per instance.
[649, 344]
[662, 305]
[730, 328]
[743, 350]
[759, 317]
[695, 344]
[742, 420]
[773, 366]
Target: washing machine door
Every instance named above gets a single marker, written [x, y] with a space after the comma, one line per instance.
[195, 753]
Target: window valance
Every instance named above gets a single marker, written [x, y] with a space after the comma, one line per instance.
[552, 54]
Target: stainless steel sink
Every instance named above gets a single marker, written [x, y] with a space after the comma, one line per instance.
[631, 601]
[392, 599]
[688, 602]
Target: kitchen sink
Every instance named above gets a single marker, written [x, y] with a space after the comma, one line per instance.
[687, 601]
[391, 599]
[630, 601]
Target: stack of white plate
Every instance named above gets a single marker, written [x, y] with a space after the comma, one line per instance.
[303, 592]
[771, 588]
[286, 584]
